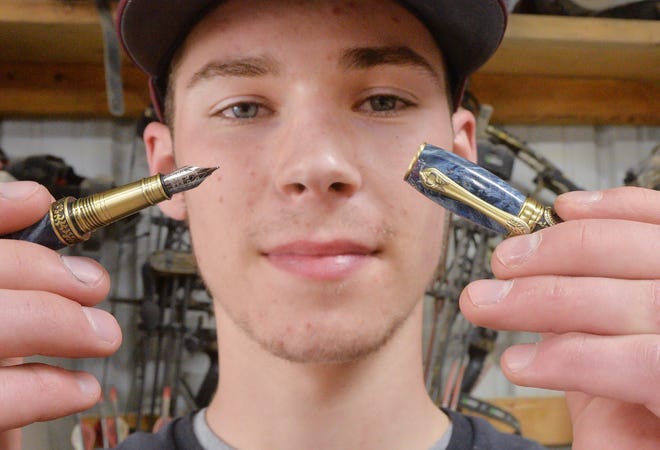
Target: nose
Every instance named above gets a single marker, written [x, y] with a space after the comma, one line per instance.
[318, 160]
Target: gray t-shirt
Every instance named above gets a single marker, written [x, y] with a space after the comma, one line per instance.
[211, 441]
[467, 433]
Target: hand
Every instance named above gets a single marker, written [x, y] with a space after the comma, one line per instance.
[591, 285]
[45, 309]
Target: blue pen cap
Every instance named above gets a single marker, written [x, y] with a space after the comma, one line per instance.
[472, 178]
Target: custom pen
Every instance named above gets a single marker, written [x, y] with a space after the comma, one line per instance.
[72, 220]
[474, 193]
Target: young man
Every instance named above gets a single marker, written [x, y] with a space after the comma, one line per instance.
[317, 254]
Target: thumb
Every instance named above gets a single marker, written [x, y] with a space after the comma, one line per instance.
[22, 203]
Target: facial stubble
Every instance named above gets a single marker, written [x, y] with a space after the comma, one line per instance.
[326, 338]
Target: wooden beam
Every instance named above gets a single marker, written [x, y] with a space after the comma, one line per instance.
[48, 12]
[520, 99]
[50, 31]
[548, 70]
[74, 90]
[51, 43]
[574, 70]
[583, 47]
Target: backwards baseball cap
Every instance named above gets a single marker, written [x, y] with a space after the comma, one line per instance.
[467, 31]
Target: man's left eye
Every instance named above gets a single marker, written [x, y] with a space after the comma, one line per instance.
[383, 103]
[243, 110]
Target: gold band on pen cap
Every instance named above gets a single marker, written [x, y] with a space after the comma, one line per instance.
[73, 220]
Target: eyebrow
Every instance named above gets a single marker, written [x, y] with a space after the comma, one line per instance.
[352, 58]
[369, 57]
[238, 67]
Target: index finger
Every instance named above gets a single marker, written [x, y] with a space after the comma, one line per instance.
[627, 203]
[22, 203]
[589, 247]
[27, 266]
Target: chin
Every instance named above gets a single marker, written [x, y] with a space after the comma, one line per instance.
[326, 339]
[325, 351]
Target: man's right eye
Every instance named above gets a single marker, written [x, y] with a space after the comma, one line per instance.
[242, 111]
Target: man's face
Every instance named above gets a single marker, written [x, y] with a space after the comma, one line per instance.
[308, 239]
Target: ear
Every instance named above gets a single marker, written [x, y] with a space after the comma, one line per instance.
[160, 155]
[465, 140]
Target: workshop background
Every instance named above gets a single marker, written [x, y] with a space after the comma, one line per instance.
[577, 88]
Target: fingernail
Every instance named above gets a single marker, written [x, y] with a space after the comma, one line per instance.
[87, 384]
[18, 190]
[488, 292]
[515, 251]
[84, 270]
[584, 198]
[519, 357]
[103, 324]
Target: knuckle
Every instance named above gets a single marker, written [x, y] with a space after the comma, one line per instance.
[655, 305]
[41, 307]
[40, 383]
[23, 263]
[648, 196]
[577, 349]
[647, 357]
[555, 296]
[582, 236]
[633, 202]
[14, 257]
[557, 290]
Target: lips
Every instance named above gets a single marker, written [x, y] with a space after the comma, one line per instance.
[323, 261]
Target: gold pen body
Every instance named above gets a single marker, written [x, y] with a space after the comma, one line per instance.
[72, 220]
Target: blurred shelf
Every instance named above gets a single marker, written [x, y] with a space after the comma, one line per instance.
[548, 70]
[566, 70]
[51, 62]
[543, 419]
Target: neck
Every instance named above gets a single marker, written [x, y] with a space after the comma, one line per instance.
[378, 401]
